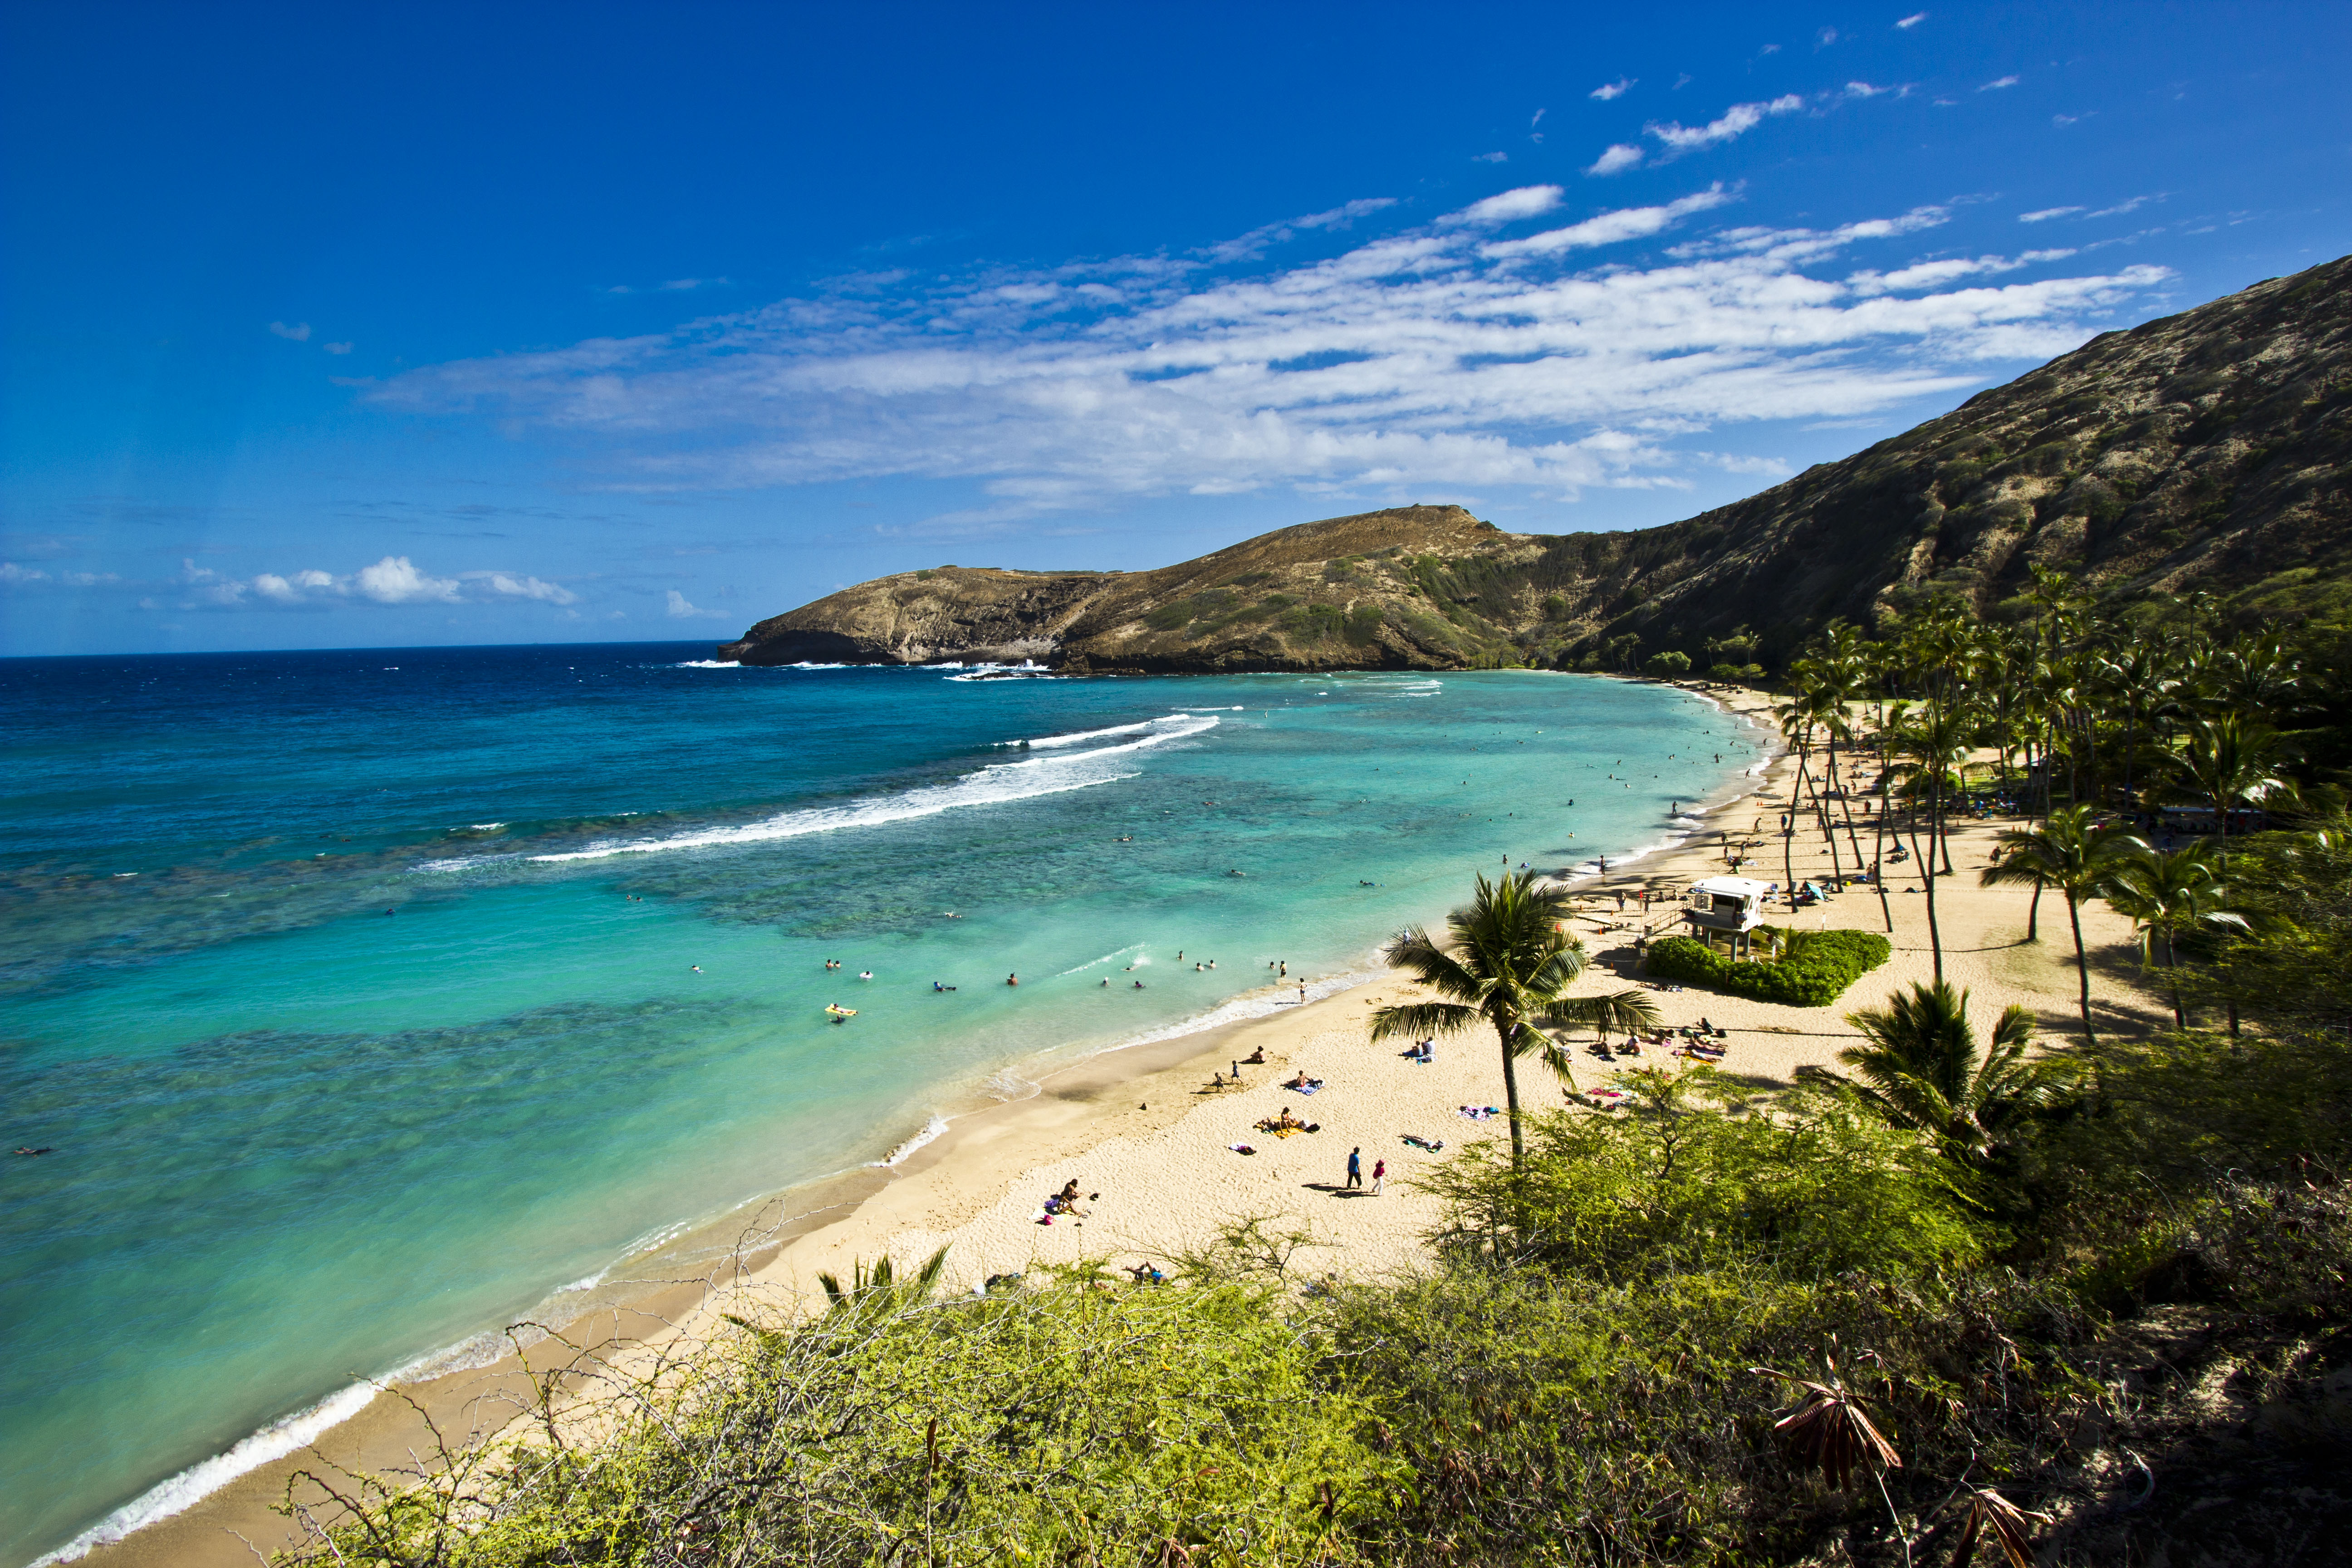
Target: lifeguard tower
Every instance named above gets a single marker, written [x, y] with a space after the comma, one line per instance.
[1728, 906]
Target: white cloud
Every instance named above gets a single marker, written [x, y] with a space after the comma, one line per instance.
[2046, 214]
[1865, 89]
[1620, 157]
[2133, 205]
[395, 581]
[1610, 228]
[300, 333]
[1527, 201]
[1825, 37]
[2062, 120]
[1492, 158]
[1998, 83]
[1736, 121]
[12, 573]
[1913, 20]
[680, 609]
[336, 348]
[1617, 89]
[1936, 274]
[1537, 120]
[522, 587]
[1421, 356]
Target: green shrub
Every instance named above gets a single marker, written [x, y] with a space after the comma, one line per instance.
[1812, 972]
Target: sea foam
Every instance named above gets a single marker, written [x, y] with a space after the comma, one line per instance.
[992, 785]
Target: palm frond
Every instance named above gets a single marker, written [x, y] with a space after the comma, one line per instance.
[1418, 1018]
[1617, 1013]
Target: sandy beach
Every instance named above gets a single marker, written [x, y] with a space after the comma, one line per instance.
[1147, 1134]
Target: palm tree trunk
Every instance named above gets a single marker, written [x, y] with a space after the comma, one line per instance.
[1927, 881]
[1789, 837]
[1511, 1100]
[2033, 914]
[1878, 864]
[2081, 965]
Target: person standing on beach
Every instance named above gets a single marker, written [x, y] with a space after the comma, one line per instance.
[1356, 1167]
[1380, 1174]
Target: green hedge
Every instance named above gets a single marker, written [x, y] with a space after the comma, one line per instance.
[1814, 970]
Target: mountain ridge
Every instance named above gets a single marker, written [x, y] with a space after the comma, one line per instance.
[2207, 450]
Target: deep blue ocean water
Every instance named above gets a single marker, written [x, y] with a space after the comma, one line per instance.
[369, 999]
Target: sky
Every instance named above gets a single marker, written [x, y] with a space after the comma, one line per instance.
[379, 325]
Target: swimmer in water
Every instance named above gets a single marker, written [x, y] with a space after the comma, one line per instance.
[698, 969]
[864, 974]
[1012, 980]
[1139, 985]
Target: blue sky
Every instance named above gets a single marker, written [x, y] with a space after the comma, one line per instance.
[385, 325]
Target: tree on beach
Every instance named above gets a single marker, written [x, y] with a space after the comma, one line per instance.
[2075, 854]
[1921, 1068]
[2166, 893]
[2232, 760]
[1508, 964]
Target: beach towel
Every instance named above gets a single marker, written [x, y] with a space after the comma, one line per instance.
[1310, 1088]
[1476, 1112]
[1432, 1145]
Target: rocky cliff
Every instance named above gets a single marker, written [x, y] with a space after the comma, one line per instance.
[2207, 450]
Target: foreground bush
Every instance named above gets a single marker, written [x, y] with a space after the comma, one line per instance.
[1073, 1423]
[1814, 970]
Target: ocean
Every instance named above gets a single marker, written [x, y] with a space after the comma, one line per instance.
[368, 1001]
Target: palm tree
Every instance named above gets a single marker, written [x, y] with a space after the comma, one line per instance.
[1931, 744]
[2230, 759]
[2073, 853]
[1508, 964]
[2165, 893]
[1922, 1069]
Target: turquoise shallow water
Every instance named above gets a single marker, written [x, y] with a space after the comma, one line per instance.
[368, 998]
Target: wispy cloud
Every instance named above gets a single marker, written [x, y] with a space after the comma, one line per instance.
[683, 610]
[1440, 355]
[1998, 82]
[337, 348]
[1492, 158]
[2130, 205]
[2045, 213]
[1865, 89]
[1618, 89]
[299, 333]
[1913, 20]
[1510, 206]
[1736, 121]
[395, 580]
[1620, 157]
[1609, 228]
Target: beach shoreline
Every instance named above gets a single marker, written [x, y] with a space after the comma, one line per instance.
[935, 1179]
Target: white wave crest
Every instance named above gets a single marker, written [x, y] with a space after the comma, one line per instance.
[931, 1130]
[1080, 737]
[709, 664]
[991, 786]
[177, 1493]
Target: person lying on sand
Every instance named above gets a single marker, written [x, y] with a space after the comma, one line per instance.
[1145, 1274]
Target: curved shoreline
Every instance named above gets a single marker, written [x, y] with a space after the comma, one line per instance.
[739, 1248]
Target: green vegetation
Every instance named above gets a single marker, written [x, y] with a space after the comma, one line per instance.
[1813, 971]
[2086, 1296]
[1508, 967]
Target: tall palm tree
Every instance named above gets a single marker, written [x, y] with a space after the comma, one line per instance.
[2165, 893]
[1931, 743]
[1922, 1069]
[2229, 760]
[1508, 964]
[2073, 853]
